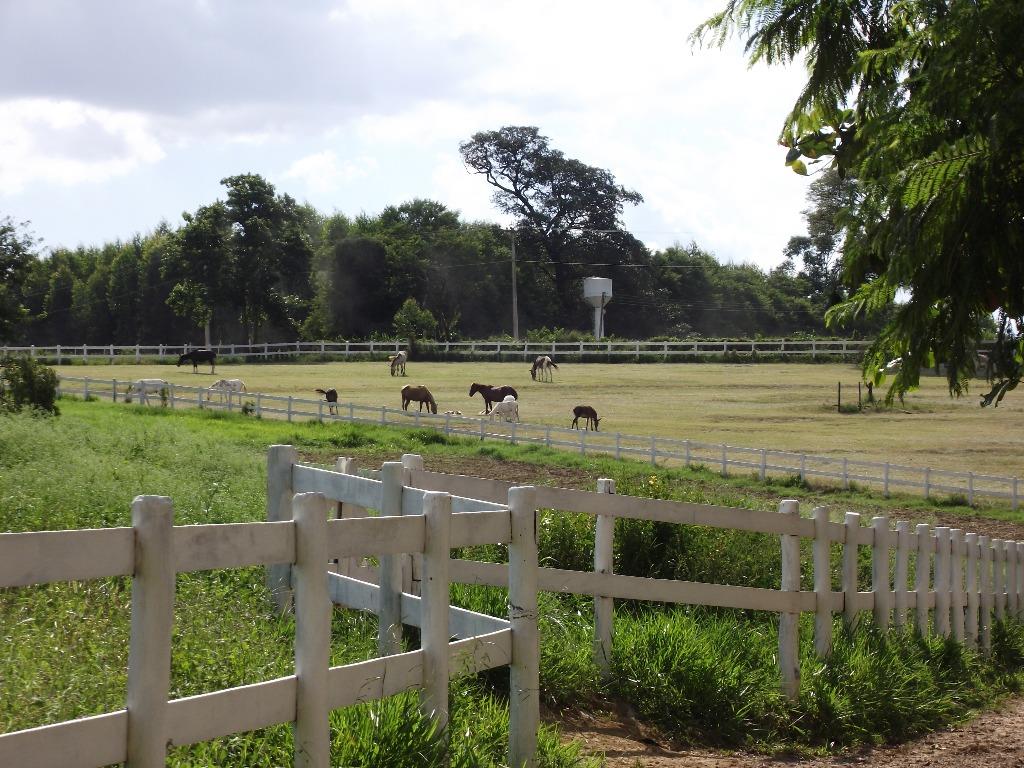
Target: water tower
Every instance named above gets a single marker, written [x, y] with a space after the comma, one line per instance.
[597, 292]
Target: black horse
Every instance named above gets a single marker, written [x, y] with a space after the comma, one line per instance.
[197, 356]
[492, 394]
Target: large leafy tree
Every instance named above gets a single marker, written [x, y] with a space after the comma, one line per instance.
[923, 102]
[199, 262]
[16, 256]
[819, 251]
[568, 212]
[269, 243]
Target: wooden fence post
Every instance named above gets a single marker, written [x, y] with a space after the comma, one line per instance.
[604, 561]
[880, 572]
[922, 575]
[900, 577]
[347, 566]
[1020, 578]
[789, 623]
[524, 670]
[437, 509]
[412, 563]
[312, 632]
[389, 632]
[971, 633]
[152, 618]
[942, 581]
[822, 584]
[1011, 578]
[998, 578]
[280, 460]
[852, 523]
[956, 582]
[985, 586]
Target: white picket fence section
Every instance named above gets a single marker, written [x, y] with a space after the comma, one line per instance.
[812, 348]
[728, 459]
[318, 527]
[301, 543]
[962, 580]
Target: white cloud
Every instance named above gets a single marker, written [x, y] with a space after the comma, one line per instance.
[66, 143]
[322, 172]
[381, 92]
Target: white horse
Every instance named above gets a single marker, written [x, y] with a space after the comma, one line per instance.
[398, 362]
[228, 387]
[143, 388]
[507, 409]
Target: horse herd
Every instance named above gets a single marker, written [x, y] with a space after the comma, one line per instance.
[499, 401]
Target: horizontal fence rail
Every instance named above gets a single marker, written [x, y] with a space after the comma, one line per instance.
[818, 348]
[308, 543]
[963, 581]
[727, 459]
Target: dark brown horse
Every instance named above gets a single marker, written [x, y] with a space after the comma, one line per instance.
[421, 395]
[588, 413]
[197, 356]
[492, 394]
[331, 396]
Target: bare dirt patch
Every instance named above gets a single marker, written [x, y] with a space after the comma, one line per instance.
[991, 740]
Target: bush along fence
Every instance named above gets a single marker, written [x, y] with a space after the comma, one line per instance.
[298, 542]
[727, 459]
[961, 581]
[839, 349]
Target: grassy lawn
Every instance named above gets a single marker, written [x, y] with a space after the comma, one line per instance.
[701, 675]
[781, 406]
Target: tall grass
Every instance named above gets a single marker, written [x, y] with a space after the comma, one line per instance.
[65, 645]
[700, 674]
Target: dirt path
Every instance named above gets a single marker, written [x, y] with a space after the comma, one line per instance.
[992, 740]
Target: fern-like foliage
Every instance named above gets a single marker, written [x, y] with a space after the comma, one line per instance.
[945, 168]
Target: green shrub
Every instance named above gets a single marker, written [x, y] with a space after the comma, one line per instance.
[25, 383]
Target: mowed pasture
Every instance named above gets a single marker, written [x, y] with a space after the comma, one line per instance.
[782, 406]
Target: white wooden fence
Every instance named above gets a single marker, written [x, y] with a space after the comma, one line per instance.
[728, 459]
[302, 542]
[811, 348]
[962, 580]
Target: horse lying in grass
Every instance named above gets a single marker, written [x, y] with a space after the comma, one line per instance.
[143, 388]
[492, 394]
[543, 365]
[197, 356]
[420, 395]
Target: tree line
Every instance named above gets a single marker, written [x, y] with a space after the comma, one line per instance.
[259, 266]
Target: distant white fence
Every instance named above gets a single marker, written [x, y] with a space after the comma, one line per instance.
[302, 542]
[761, 462]
[810, 348]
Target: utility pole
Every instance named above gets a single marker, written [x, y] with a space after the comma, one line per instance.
[515, 300]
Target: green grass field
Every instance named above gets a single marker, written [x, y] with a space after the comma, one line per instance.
[705, 676]
[782, 406]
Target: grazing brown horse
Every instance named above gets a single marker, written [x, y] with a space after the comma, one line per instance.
[421, 395]
[586, 412]
[492, 394]
[331, 396]
[544, 364]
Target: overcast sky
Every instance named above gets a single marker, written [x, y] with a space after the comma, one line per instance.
[116, 114]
